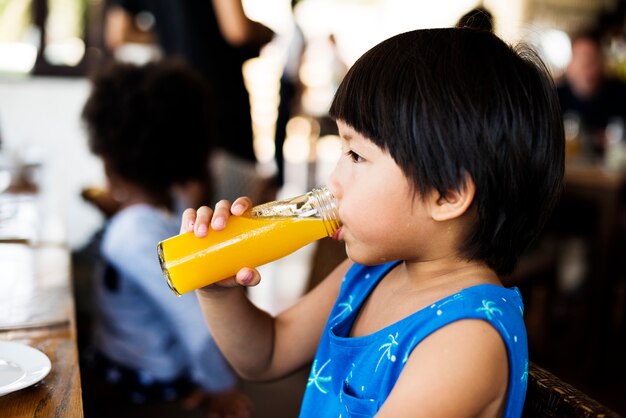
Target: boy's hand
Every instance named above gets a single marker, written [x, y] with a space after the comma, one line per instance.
[198, 221]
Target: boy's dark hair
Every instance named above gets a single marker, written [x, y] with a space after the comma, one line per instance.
[151, 123]
[478, 18]
[446, 103]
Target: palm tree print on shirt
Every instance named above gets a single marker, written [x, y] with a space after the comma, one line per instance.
[345, 308]
[490, 310]
[393, 342]
[316, 379]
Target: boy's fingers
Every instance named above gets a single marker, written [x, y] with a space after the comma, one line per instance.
[221, 214]
[188, 220]
[203, 217]
[241, 205]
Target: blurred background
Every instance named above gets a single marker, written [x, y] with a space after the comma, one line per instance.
[49, 47]
[573, 278]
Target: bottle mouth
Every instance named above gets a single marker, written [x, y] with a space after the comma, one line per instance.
[328, 209]
[166, 273]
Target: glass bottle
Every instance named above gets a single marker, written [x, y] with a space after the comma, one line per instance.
[263, 234]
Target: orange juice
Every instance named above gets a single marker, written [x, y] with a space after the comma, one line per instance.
[266, 233]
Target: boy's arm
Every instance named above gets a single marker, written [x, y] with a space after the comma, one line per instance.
[259, 346]
[460, 370]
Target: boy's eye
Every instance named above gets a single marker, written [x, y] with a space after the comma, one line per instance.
[354, 156]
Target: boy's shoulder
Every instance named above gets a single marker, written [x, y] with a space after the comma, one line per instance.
[502, 307]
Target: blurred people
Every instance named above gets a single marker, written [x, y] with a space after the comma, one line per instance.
[290, 93]
[215, 37]
[148, 124]
[478, 18]
[588, 94]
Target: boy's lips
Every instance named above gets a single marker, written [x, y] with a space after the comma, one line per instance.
[336, 234]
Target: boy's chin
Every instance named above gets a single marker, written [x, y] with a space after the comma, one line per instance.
[364, 259]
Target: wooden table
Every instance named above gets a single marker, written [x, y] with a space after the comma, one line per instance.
[602, 189]
[37, 309]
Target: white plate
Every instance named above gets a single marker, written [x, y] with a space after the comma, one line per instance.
[21, 366]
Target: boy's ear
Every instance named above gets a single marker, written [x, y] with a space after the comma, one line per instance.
[455, 202]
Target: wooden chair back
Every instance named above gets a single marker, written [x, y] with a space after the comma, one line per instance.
[549, 396]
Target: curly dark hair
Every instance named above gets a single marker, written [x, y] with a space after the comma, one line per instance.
[151, 123]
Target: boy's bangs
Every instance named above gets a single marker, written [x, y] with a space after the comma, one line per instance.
[367, 99]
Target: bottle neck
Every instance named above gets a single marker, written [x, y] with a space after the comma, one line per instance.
[318, 203]
[326, 206]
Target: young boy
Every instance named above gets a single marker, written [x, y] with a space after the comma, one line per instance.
[453, 161]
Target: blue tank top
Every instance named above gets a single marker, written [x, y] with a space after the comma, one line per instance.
[352, 376]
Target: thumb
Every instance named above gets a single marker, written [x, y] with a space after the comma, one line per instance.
[248, 277]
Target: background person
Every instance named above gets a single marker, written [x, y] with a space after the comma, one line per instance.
[589, 94]
[215, 37]
[148, 124]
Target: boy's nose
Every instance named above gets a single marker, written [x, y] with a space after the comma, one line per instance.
[333, 184]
